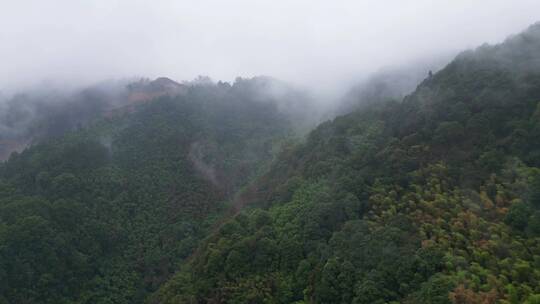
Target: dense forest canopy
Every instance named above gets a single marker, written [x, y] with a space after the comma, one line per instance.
[201, 192]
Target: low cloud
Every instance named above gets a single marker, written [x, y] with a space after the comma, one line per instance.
[323, 45]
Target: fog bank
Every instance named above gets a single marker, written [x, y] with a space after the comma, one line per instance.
[324, 45]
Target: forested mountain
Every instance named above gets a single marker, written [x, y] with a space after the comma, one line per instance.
[196, 193]
[106, 213]
[435, 199]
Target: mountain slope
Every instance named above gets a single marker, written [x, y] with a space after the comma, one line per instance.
[430, 200]
[104, 214]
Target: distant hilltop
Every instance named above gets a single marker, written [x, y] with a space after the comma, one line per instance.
[145, 89]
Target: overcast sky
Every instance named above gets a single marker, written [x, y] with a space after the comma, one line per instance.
[319, 43]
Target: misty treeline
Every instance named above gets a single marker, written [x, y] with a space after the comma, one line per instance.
[39, 114]
[49, 111]
[390, 83]
[206, 192]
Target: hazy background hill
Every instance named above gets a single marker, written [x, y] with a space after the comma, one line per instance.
[105, 205]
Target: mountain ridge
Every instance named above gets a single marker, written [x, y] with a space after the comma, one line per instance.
[428, 200]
